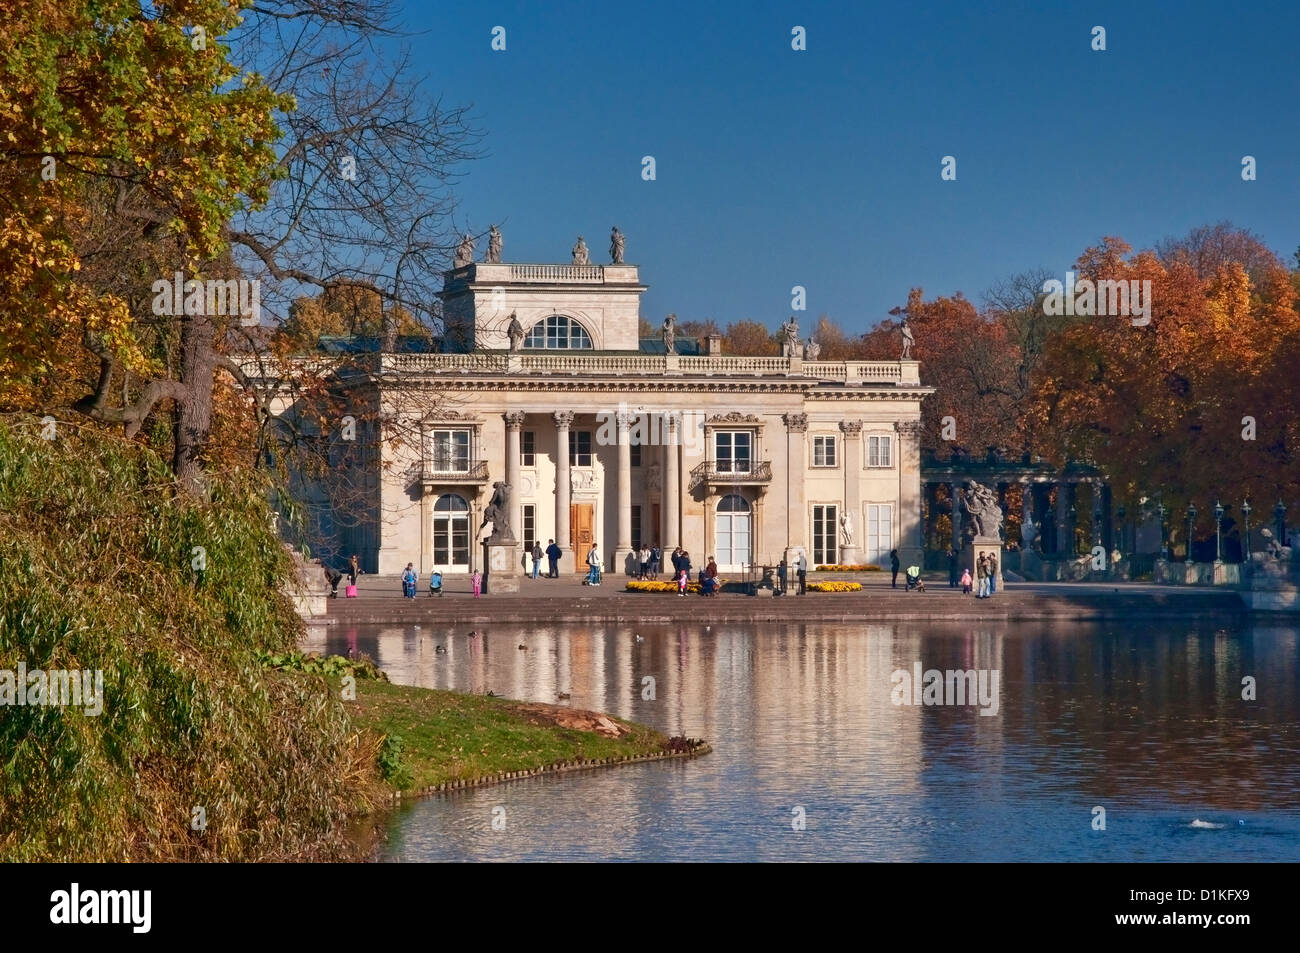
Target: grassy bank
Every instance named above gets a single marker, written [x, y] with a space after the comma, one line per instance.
[432, 737]
[200, 752]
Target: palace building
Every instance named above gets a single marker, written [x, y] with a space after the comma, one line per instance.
[542, 381]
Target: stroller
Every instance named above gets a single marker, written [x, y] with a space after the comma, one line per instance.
[914, 580]
[435, 584]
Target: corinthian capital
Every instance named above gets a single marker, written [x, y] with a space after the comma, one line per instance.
[796, 423]
[564, 419]
[515, 420]
[851, 428]
[908, 428]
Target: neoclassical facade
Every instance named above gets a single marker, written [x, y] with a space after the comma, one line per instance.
[610, 440]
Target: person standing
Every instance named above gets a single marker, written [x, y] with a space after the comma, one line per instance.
[553, 556]
[677, 561]
[982, 577]
[354, 569]
[893, 569]
[656, 556]
[780, 577]
[952, 567]
[477, 580]
[993, 574]
[410, 578]
[643, 562]
[965, 581]
[593, 562]
[537, 557]
[801, 566]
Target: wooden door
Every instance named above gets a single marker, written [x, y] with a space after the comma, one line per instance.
[581, 532]
[658, 527]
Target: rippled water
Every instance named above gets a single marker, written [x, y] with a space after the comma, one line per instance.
[1146, 722]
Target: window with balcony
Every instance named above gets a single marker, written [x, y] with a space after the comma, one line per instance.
[558, 333]
[733, 451]
[449, 451]
[824, 452]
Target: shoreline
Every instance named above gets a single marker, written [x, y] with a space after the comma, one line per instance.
[567, 601]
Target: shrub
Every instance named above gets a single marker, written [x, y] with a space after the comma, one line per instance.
[834, 586]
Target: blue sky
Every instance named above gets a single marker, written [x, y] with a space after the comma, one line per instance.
[822, 168]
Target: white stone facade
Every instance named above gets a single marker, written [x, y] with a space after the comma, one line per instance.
[742, 458]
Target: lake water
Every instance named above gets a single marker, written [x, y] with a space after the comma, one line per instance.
[1146, 722]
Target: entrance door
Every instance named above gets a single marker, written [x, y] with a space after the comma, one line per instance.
[582, 532]
[732, 533]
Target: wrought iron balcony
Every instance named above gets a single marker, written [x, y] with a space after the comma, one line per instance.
[447, 474]
[758, 474]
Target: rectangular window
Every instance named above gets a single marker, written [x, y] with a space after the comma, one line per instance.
[824, 452]
[528, 449]
[880, 452]
[449, 450]
[732, 450]
[636, 454]
[580, 448]
[530, 526]
[880, 533]
[636, 527]
[825, 526]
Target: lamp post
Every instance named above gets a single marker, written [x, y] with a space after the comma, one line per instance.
[1191, 525]
[1218, 531]
[1279, 514]
[1245, 512]
[1164, 544]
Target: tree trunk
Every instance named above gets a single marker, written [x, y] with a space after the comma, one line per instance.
[192, 416]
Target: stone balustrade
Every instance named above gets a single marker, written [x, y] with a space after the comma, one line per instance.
[902, 373]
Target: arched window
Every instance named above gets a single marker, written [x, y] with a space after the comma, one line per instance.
[733, 528]
[558, 332]
[450, 532]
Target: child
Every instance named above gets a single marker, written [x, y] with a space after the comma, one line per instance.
[681, 581]
[409, 580]
[965, 581]
[477, 579]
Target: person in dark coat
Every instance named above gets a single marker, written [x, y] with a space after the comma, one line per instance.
[333, 577]
[553, 558]
[952, 568]
[893, 569]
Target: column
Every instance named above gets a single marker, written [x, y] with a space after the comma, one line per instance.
[909, 491]
[672, 533]
[796, 515]
[426, 529]
[852, 430]
[514, 424]
[563, 421]
[1064, 531]
[955, 500]
[624, 544]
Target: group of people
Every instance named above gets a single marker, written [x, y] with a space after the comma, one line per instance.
[552, 553]
[800, 572]
[648, 559]
[334, 577]
[986, 576]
